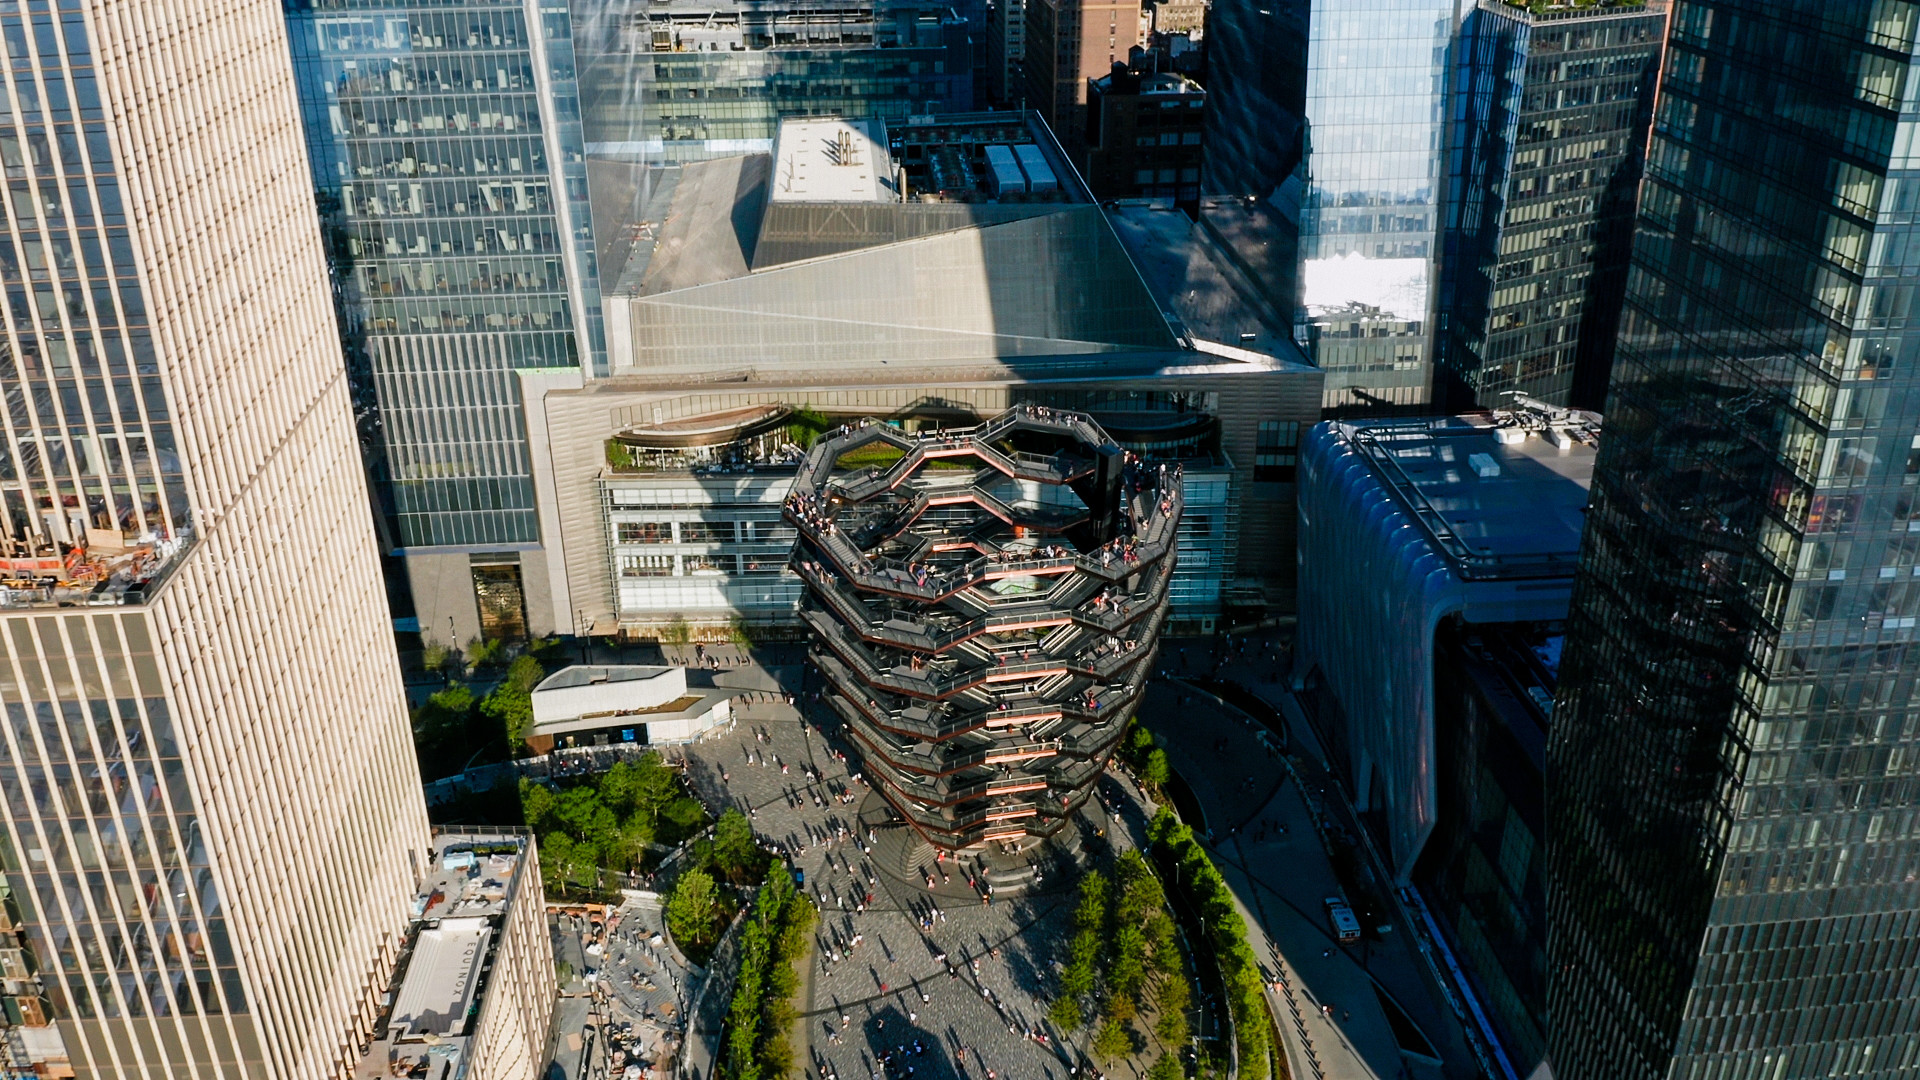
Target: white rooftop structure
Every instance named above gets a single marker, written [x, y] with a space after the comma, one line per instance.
[441, 979]
[830, 159]
[589, 697]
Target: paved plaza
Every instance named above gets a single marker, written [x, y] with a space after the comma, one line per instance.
[917, 975]
[907, 979]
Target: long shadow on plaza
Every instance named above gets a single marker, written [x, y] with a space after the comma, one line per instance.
[904, 1049]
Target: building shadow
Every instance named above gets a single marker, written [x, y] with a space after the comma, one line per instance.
[899, 1048]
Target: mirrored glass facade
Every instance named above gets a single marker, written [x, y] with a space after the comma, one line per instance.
[1376, 96]
[449, 162]
[1733, 776]
[674, 81]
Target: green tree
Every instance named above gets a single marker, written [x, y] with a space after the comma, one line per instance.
[510, 704]
[655, 785]
[1155, 770]
[536, 807]
[1113, 1041]
[1091, 912]
[1139, 740]
[1160, 944]
[1127, 964]
[734, 848]
[482, 652]
[1065, 1013]
[1171, 1002]
[693, 909]
[440, 731]
[686, 814]
[1166, 1068]
[619, 787]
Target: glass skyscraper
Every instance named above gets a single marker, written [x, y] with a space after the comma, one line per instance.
[1734, 768]
[450, 144]
[448, 157]
[715, 80]
[1369, 229]
[1549, 117]
[1470, 172]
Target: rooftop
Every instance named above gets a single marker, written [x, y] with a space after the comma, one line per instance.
[830, 159]
[585, 697]
[440, 981]
[1501, 496]
[1205, 359]
[1577, 9]
[1148, 82]
[706, 222]
[1195, 280]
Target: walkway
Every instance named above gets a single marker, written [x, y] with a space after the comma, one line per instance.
[1327, 998]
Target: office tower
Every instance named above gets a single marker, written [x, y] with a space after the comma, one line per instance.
[1257, 85]
[213, 821]
[1732, 776]
[1143, 133]
[1007, 52]
[1369, 226]
[715, 80]
[1470, 170]
[1549, 127]
[447, 156]
[1069, 42]
[985, 606]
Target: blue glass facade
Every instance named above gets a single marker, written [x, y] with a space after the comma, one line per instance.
[1403, 525]
[1734, 782]
[449, 164]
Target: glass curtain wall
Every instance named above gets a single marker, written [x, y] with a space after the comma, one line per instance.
[1376, 96]
[1550, 120]
[446, 143]
[86, 438]
[1733, 775]
[671, 81]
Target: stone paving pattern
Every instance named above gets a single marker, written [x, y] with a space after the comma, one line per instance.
[894, 991]
[978, 1011]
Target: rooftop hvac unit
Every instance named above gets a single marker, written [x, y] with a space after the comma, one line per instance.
[1003, 172]
[1040, 175]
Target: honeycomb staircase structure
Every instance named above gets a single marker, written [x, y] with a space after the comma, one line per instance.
[985, 606]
